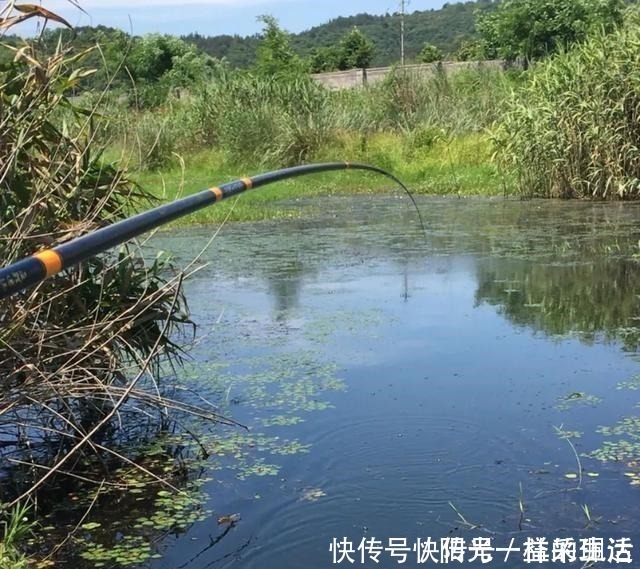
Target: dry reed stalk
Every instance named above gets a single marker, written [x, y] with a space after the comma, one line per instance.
[83, 356]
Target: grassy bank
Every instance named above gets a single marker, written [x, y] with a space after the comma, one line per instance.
[459, 167]
[432, 131]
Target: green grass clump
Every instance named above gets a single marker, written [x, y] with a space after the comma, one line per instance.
[573, 130]
[261, 120]
[458, 103]
[16, 528]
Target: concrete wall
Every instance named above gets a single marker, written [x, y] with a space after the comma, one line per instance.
[358, 77]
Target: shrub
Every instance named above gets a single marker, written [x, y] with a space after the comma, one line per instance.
[430, 53]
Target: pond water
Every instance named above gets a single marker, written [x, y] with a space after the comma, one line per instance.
[398, 384]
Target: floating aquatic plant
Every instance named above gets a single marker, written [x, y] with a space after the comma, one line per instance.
[632, 383]
[577, 398]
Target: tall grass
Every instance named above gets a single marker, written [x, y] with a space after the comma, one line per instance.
[407, 101]
[573, 130]
[263, 120]
[260, 121]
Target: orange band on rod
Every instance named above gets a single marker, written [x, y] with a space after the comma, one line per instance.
[218, 193]
[51, 260]
[248, 182]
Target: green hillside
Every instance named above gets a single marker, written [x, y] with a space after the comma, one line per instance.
[445, 28]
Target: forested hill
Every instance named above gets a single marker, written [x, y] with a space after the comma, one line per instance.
[446, 28]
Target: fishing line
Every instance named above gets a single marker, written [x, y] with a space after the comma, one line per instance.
[32, 270]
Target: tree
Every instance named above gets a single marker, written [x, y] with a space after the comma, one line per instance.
[430, 53]
[324, 59]
[445, 27]
[159, 63]
[108, 61]
[190, 68]
[356, 50]
[152, 56]
[532, 29]
[471, 50]
[275, 56]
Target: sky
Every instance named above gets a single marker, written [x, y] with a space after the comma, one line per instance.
[215, 17]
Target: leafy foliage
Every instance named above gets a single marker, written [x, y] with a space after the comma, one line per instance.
[152, 65]
[356, 50]
[275, 56]
[471, 50]
[325, 59]
[236, 50]
[109, 60]
[430, 53]
[532, 29]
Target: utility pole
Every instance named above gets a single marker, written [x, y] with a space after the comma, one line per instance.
[402, 10]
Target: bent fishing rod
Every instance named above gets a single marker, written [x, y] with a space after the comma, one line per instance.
[42, 265]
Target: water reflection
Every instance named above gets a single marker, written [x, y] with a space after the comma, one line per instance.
[558, 268]
[285, 284]
[593, 300]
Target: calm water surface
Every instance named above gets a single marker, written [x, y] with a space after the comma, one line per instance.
[388, 377]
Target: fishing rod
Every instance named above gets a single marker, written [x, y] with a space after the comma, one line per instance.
[42, 265]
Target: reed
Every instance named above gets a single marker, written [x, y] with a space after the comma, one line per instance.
[83, 356]
[458, 103]
[573, 130]
[265, 121]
